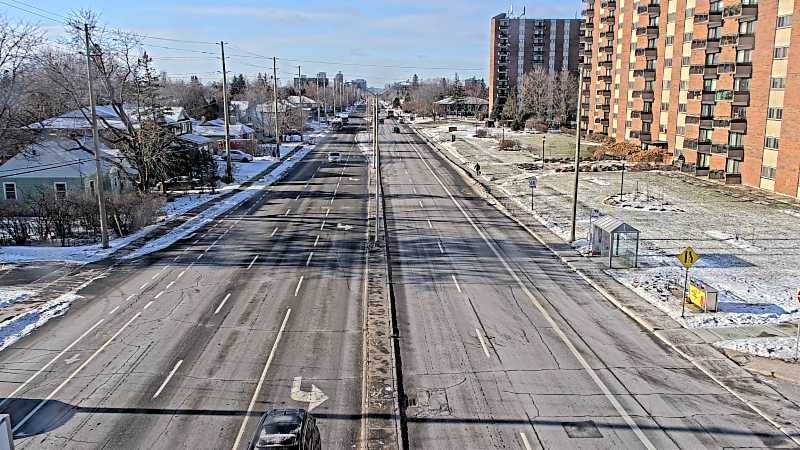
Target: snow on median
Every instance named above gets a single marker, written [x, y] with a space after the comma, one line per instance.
[22, 325]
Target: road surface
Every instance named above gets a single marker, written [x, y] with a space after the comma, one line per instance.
[503, 346]
[187, 347]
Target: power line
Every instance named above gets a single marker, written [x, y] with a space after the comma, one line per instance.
[52, 13]
[30, 12]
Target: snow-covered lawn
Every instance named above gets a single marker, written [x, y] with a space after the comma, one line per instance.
[20, 326]
[749, 242]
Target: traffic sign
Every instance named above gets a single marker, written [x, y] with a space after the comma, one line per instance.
[533, 182]
[798, 296]
[688, 257]
[595, 213]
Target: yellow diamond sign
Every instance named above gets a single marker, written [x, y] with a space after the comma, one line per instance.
[688, 257]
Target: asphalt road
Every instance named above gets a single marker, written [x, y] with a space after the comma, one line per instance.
[187, 347]
[504, 347]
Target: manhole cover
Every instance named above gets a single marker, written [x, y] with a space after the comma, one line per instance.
[584, 429]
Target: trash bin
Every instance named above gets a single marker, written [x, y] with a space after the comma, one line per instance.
[452, 138]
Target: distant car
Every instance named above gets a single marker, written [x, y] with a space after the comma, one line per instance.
[380, 120]
[179, 183]
[554, 131]
[396, 130]
[240, 156]
[402, 120]
[289, 429]
[334, 156]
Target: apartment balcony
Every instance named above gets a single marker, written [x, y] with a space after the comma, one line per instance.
[646, 116]
[647, 74]
[729, 39]
[608, 4]
[700, 18]
[697, 70]
[589, 24]
[607, 64]
[721, 123]
[605, 78]
[588, 11]
[708, 97]
[649, 31]
[715, 18]
[735, 152]
[645, 137]
[602, 107]
[726, 68]
[744, 70]
[692, 120]
[723, 95]
[585, 107]
[698, 43]
[704, 147]
[606, 49]
[607, 34]
[738, 125]
[648, 96]
[741, 99]
[746, 12]
[706, 122]
[712, 46]
[733, 178]
[604, 92]
[608, 19]
[746, 42]
[647, 52]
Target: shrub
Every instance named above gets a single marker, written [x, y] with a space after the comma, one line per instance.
[14, 221]
[128, 213]
[509, 145]
[481, 133]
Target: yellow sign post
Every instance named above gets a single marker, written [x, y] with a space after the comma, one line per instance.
[688, 257]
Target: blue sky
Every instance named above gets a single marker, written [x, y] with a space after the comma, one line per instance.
[430, 37]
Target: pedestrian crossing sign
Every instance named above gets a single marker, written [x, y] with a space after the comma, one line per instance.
[688, 257]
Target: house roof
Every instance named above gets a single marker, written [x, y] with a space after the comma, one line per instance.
[175, 114]
[294, 99]
[613, 225]
[216, 129]
[194, 138]
[58, 157]
[467, 101]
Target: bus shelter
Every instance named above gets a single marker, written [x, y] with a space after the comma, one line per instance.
[616, 239]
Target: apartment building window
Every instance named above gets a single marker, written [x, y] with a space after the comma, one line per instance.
[651, 43]
[668, 62]
[735, 139]
[650, 64]
[775, 113]
[669, 40]
[648, 86]
[715, 6]
[670, 17]
[646, 127]
[780, 53]
[703, 161]
[687, 37]
[772, 142]
[628, 124]
[768, 172]
[707, 110]
[10, 191]
[662, 128]
[712, 59]
[689, 12]
[685, 60]
[733, 166]
[746, 27]
[784, 21]
[653, 21]
[630, 104]
[741, 84]
[633, 46]
[777, 82]
[705, 135]
[665, 84]
[710, 84]
[713, 32]
[738, 112]
[680, 131]
[664, 106]
[684, 85]
[681, 107]
[742, 56]
[60, 189]
[647, 107]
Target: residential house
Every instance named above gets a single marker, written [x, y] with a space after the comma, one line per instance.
[468, 106]
[63, 165]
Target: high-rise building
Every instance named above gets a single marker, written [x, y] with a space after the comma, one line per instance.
[338, 80]
[710, 81]
[519, 45]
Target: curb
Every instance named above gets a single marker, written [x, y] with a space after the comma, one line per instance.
[793, 434]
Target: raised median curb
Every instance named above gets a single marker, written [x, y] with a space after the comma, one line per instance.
[762, 398]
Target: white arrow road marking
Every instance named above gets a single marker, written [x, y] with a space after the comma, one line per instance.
[73, 359]
[169, 377]
[314, 398]
[344, 227]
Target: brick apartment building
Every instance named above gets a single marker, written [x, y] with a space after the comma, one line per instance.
[519, 45]
[711, 81]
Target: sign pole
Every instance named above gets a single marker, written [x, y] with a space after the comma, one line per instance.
[531, 199]
[685, 286]
[797, 342]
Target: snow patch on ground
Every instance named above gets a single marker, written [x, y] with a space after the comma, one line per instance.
[22, 325]
[766, 347]
[641, 201]
[9, 297]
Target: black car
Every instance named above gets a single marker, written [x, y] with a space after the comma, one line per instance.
[289, 429]
[179, 183]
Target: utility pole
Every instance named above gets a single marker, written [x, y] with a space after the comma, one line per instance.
[300, 102]
[101, 198]
[275, 99]
[577, 158]
[228, 165]
[377, 164]
[319, 102]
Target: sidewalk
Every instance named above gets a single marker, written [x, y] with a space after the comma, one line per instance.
[777, 406]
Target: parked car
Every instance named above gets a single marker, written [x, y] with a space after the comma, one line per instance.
[240, 156]
[334, 156]
[178, 183]
[288, 429]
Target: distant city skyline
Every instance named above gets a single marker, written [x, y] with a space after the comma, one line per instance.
[383, 42]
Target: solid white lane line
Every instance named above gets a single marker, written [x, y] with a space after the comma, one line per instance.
[456, 282]
[297, 289]
[564, 339]
[141, 288]
[525, 441]
[222, 303]
[55, 392]
[260, 382]
[273, 232]
[148, 305]
[483, 344]
[252, 262]
[113, 310]
[287, 212]
[430, 225]
[129, 298]
[323, 225]
[159, 295]
[327, 211]
[308, 261]
[170, 284]
[169, 377]
[441, 249]
[210, 247]
[22, 386]
[316, 241]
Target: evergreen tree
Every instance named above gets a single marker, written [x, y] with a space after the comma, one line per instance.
[238, 86]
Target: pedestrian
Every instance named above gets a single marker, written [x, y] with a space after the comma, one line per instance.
[477, 168]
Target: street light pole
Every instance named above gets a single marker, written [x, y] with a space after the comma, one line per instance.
[228, 165]
[577, 158]
[275, 100]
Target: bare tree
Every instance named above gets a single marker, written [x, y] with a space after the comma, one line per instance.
[18, 42]
[536, 94]
[565, 96]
